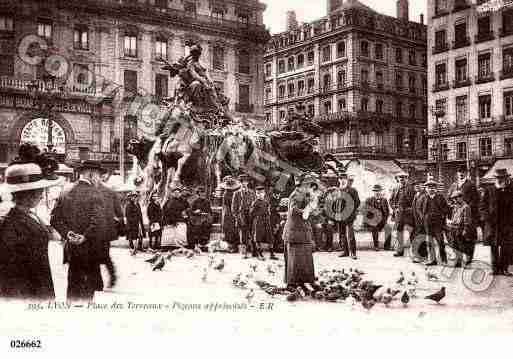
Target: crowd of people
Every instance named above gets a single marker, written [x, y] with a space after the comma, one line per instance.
[88, 216]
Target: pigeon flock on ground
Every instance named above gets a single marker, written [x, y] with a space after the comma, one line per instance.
[336, 285]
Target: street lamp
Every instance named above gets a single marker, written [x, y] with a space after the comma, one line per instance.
[436, 150]
[45, 97]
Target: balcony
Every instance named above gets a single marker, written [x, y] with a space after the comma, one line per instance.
[484, 36]
[506, 32]
[461, 83]
[8, 83]
[460, 6]
[439, 48]
[507, 73]
[440, 86]
[244, 108]
[339, 116]
[485, 77]
[463, 41]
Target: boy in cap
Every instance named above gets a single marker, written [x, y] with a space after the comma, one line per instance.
[260, 219]
[376, 213]
[462, 232]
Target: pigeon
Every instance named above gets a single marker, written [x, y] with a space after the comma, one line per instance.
[205, 274]
[133, 252]
[253, 267]
[219, 266]
[270, 270]
[405, 298]
[197, 249]
[368, 304]
[386, 299]
[153, 259]
[160, 264]
[438, 296]
[250, 295]
[400, 281]
[431, 276]
[292, 297]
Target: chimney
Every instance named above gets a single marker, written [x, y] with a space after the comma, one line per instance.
[402, 10]
[333, 5]
[422, 19]
[291, 23]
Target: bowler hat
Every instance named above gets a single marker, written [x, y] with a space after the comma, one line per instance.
[401, 175]
[377, 188]
[501, 173]
[259, 188]
[90, 165]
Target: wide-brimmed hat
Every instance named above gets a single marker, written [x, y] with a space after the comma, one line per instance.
[230, 183]
[431, 183]
[89, 165]
[27, 176]
[377, 188]
[501, 173]
[456, 194]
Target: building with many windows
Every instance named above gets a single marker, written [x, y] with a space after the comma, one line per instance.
[471, 80]
[101, 53]
[360, 74]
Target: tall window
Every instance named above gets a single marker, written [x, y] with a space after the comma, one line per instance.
[441, 75]
[485, 107]
[508, 146]
[291, 64]
[291, 89]
[483, 25]
[399, 80]
[508, 104]
[441, 104]
[161, 89]
[413, 110]
[365, 104]
[341, 78]
[281, 66]
[398, 55]
[130, 82]
[44, 29]
[341, 49]
[364, 48]
[379, 106]
[327, 107]
[218, 60]
[461, 110]
[461, 70]
[460, 33]
[268, 70]
[507, 22]
[411, 83]
[484, 65]
[301, 88]
[326, 53]
[131, 45]
[244, 62]
[379, 80]
[440, 39]
[81, 38]
[281, 91]
[461, 150]
[189, 7]
[379, 51]
[365, 76]
[218, 12]
[6, 23]
[341, 104]
[485, 146]
[310, 58]
[507, 60]
[311, 85]
[412, 57]
[311, 110]
[445, 151]
[412, 140]
[399, 142]
[244, 98]
[161, 49]
[327, 82]
[399, 109]
[300, 61]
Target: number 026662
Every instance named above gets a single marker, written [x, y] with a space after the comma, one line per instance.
[26, 344]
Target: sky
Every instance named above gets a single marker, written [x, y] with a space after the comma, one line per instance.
[309, 10]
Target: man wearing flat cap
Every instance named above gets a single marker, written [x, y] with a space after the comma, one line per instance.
[78, 216]
[241, 202]
[496, 207]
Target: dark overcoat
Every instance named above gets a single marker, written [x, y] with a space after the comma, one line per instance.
[228, 220]
[297, 230]
[260, 215]
[434, 212]
[401, 201]
[376, 212]
[496, 209]
[134, 220]
[242, 200]
[24, 265]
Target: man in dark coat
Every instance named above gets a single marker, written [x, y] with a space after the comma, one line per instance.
[175, 209]
[78, 216]
[154, 213]
[114, 226]
[401, 201]
[470, 196]
[376, 213]
[201, 219]
[260, 220]
[134, 222]
[242, 200]
[434, 211]
[496, 208]
[419, 244]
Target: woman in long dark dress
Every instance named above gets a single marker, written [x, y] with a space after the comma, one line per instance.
[229, 185]
[297, 236]
[24, 264]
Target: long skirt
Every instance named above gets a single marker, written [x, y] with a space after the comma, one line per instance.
[299, 266]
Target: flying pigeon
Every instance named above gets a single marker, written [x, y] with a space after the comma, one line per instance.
[438, 296]
[160, 264]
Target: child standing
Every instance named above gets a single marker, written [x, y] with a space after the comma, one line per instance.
[260, 217]
[377, 212]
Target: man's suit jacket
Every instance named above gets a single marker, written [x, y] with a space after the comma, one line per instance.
[434, 212]
[80, 209]
[497, 230]
[241, 203]
[134, 220]
[112, 212]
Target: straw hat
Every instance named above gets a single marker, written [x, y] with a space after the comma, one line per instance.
[230, 183]
[27, 176]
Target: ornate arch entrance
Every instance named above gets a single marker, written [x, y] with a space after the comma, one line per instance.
[46, 134]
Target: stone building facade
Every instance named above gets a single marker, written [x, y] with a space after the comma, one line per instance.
[106, 59]
[360, 74]
[471, 79]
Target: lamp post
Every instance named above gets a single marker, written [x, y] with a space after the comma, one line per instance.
[45, 98]
[437, 149]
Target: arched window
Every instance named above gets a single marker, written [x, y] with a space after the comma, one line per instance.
[300, 61]
[291, 64]
[341, 49]
[326, 82]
